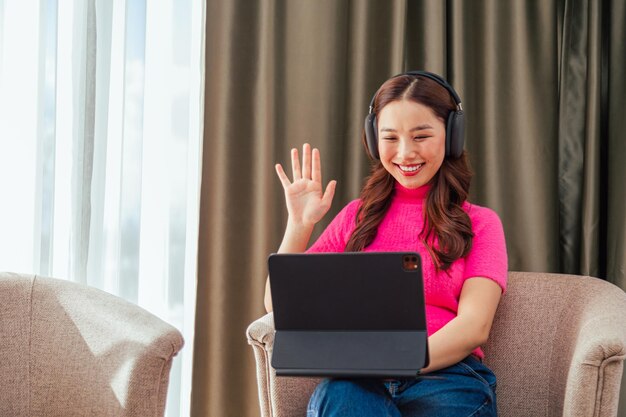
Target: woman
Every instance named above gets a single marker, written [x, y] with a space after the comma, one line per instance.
[415, 199]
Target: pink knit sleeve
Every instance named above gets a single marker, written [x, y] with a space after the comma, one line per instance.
[335, 237]
[488, 257]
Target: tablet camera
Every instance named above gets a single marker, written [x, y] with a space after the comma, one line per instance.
[410, 262]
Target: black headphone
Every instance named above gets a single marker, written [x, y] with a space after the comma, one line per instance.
[455, 125]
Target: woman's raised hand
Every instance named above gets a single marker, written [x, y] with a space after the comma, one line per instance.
[307, 202]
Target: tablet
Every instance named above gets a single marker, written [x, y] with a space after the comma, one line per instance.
[351, 314]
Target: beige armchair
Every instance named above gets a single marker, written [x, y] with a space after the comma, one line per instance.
[70, 350]
[557, 347]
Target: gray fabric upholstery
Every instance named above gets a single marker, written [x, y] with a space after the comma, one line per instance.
[557, 347]
[71, 350]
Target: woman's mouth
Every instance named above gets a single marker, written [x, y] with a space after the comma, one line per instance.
[410, 170]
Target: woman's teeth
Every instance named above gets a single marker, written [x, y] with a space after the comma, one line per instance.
[411, 168]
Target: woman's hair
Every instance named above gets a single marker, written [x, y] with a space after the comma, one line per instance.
[447, 231]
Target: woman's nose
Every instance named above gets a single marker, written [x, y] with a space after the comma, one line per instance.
[407, 149]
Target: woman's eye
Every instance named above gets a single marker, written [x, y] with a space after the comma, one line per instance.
[421, 137]
[389, 138]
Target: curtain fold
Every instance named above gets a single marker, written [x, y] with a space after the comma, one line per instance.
[280, 73]
[84, 134]
[578, 122]
[616, 145]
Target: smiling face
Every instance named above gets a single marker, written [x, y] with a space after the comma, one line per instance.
[411, 142]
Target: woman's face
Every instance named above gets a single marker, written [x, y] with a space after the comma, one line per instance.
[411, 142]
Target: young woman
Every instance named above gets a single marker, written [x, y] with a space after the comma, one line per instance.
[415, 199]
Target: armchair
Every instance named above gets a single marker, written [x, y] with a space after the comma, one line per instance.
[557, 346]
[70, 350]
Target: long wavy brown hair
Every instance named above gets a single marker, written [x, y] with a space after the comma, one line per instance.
[447, 231]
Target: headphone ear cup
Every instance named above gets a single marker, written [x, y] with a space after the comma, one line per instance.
[370, 136]
[455, 134]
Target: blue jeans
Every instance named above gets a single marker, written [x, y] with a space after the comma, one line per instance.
[465, 389]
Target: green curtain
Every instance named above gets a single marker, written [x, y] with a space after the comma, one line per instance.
[543, 90]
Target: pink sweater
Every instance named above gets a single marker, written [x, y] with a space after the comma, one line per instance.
[400, 230]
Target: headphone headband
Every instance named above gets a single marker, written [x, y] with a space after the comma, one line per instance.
[433, 77]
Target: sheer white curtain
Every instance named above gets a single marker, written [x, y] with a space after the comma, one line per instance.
[100, 121]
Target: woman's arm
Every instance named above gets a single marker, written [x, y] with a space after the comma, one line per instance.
[295, 240]
[307, 203]
[470, 328]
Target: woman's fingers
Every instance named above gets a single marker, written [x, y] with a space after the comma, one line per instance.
[295, 165]
[310, 169]
[306, 161]
[327, 198]
[316, 167]
[282, 176]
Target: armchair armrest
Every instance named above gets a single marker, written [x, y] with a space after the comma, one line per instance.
[278, 396]
[557, 345]
[600, 350]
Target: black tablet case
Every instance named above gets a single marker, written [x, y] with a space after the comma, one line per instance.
[348, 315]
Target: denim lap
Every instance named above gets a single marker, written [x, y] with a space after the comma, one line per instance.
[351, 398]
[461, 390]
